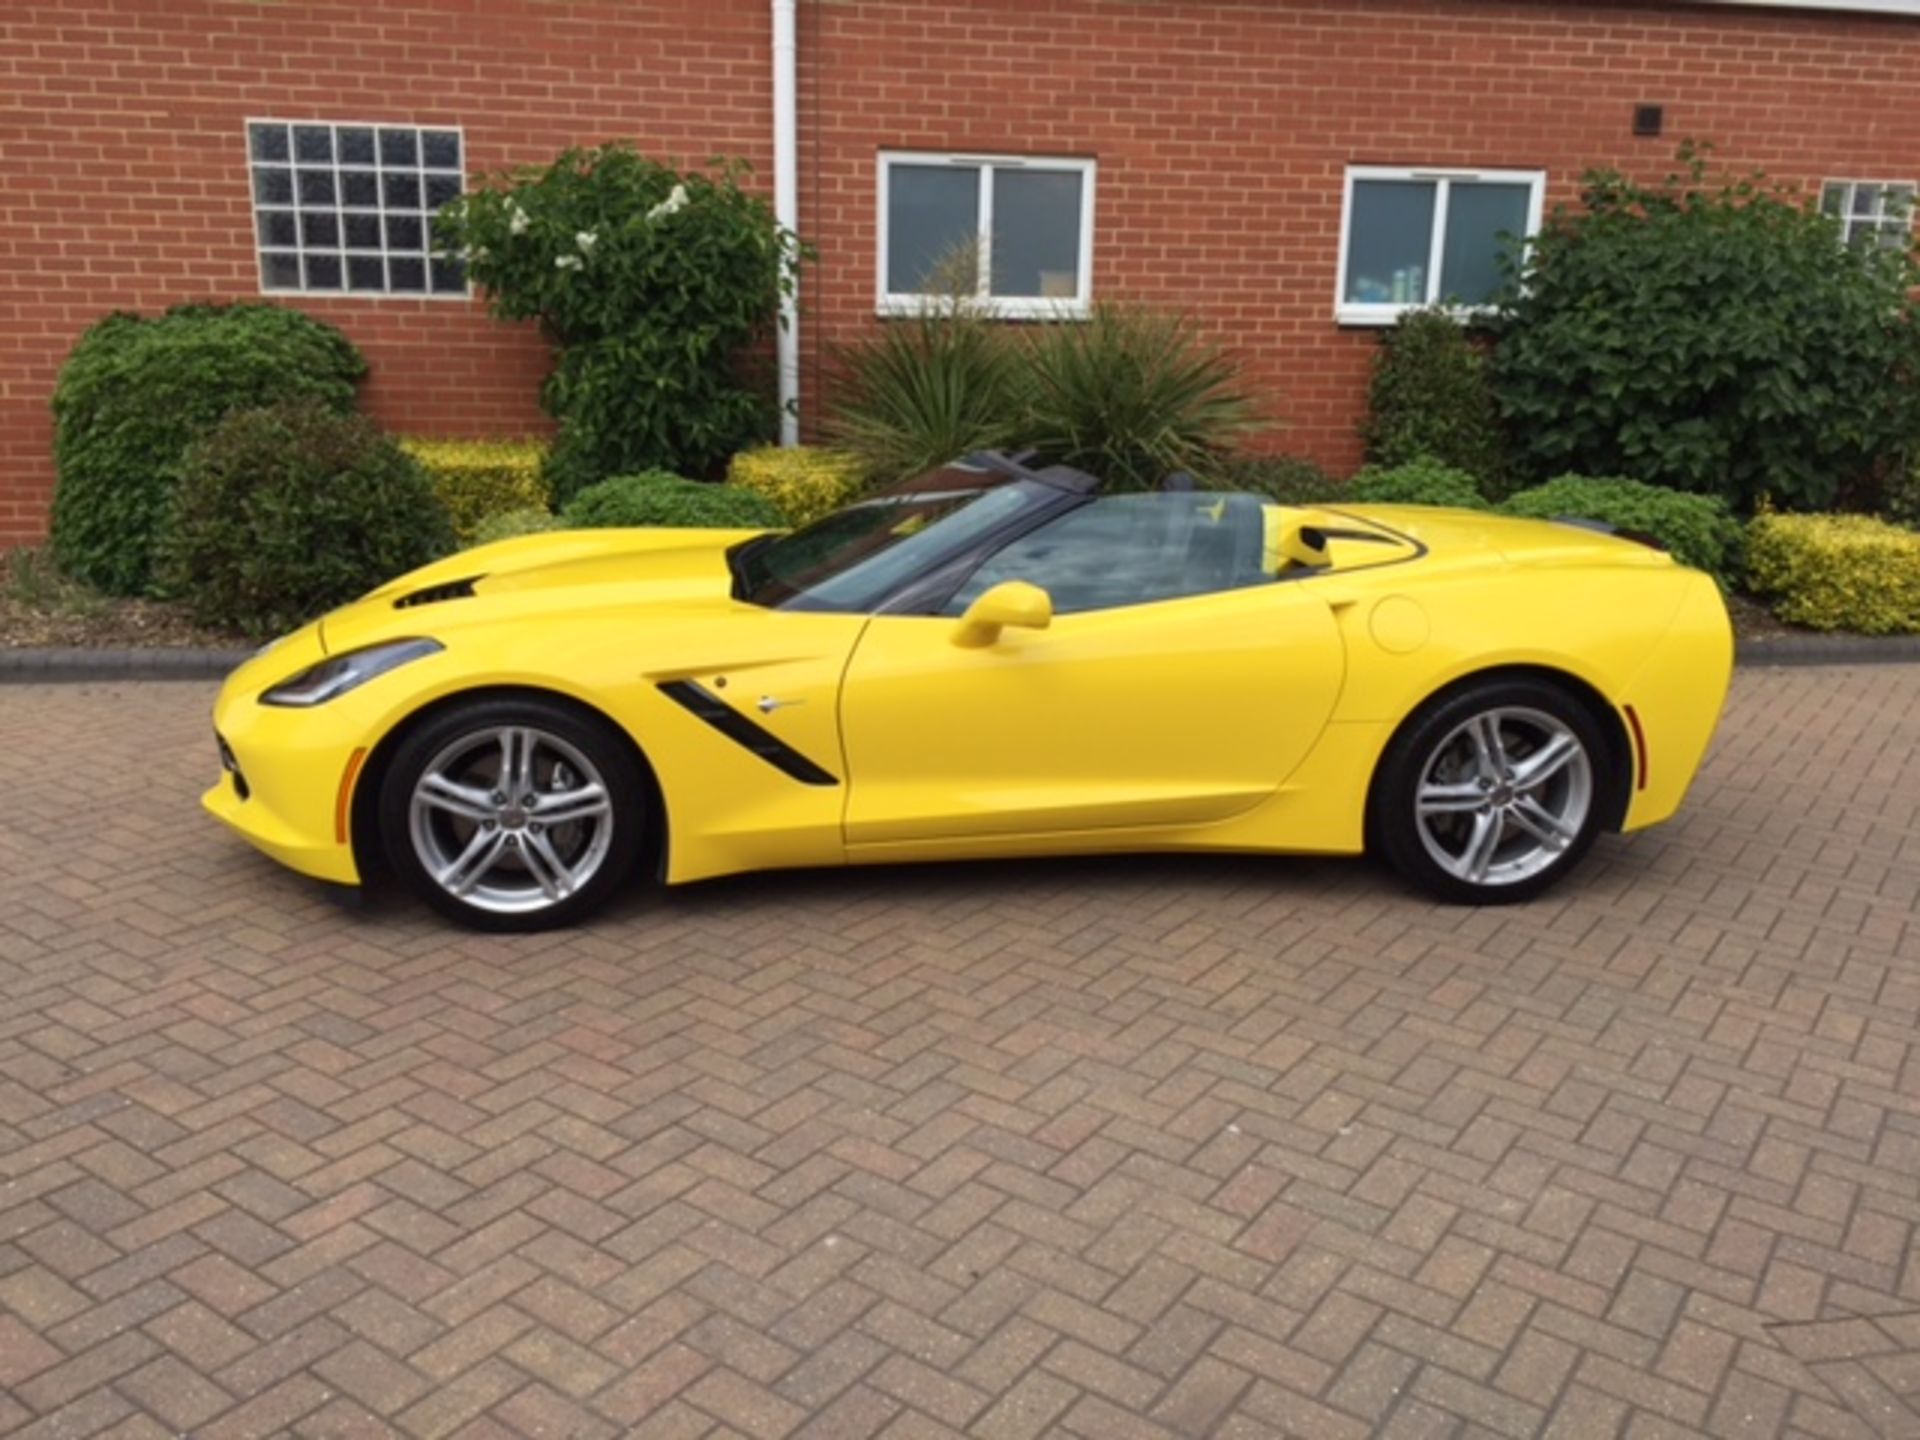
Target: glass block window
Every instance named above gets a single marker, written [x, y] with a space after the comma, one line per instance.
[1013, 230]
[1414, 237]
[1871, 212]
[349, 208]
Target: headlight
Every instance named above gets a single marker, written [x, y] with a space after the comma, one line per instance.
[338, 674]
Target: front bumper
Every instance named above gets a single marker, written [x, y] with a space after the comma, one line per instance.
[283, 791]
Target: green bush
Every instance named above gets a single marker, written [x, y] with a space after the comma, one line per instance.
[654, 284]
[286, 512]
[477, 479]
[135, 393]
[657, 498]
[1289, 479]
[803, 482]
[1131, 395]
[511, 524]
[1698, 530]
[1419, 482]
[1430, 398]
[1837, 572]
[926, 390]
[1710, 337]
[1900, 496]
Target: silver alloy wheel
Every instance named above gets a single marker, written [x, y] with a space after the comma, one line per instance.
[510, 819]
[1503, 796]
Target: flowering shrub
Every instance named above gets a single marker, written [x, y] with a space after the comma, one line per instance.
[651, 282]
[805, 483]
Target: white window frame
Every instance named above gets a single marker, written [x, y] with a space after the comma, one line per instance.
[1880, 221]
[341, 209]
[1015, 307]
[1348, 312]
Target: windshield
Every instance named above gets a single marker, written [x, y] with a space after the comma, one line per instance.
[851, 560]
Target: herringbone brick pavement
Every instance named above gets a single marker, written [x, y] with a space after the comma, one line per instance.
[1223, 1148]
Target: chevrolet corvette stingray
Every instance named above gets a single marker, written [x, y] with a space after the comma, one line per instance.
[986, 660]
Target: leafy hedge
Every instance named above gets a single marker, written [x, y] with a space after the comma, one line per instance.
[1698, 530]
[1419, 482]
[283, 513]
[1429, 398]
[803, 482]
[1837, 572]
[1710, 336]
[655, 497]
[476, 479]
[135, 393]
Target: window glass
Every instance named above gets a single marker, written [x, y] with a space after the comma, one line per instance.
[1390, 241]
[855, 558]
[1477, 217]
[348, 206]
[1870, 213]
[1036, 233]
[1014, 232]
[1132, 549]
[1415, 238]
[933, 218]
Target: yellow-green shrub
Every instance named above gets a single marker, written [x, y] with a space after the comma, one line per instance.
[1837, 572]
[804, 482]
[478, 478]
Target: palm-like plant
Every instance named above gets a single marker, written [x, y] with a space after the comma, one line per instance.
[927, 390]
[1132, 395]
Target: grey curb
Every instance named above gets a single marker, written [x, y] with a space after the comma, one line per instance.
[48, 667]
[1829, 650]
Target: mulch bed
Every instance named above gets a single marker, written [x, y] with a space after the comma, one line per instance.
[41, 609]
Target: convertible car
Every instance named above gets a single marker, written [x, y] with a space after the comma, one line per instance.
[987, 660]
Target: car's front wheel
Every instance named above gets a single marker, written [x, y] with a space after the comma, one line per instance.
[513, 814]
[1494, 793]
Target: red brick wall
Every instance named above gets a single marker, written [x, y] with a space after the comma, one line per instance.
[124, 179]
[1222, 131]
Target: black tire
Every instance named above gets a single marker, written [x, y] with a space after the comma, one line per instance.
[1438, 749]
[571, 753]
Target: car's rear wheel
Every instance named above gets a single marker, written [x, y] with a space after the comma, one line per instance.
[1494, 793]
[513, 814]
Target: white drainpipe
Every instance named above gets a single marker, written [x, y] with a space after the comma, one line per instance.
[786, 202]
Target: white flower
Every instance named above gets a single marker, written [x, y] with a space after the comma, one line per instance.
[567, 262]
[516, 221]
[586, 240]
[675, 202]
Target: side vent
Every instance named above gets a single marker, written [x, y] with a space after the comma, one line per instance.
[434, 594]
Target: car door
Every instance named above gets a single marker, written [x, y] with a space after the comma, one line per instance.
[1177, 685]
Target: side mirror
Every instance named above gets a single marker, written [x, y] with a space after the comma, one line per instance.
[1010, 603]
[1294, 538]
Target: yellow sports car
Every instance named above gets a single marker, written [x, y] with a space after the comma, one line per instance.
[987, 660]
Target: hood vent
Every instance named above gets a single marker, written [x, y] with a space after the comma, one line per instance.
[434, 594]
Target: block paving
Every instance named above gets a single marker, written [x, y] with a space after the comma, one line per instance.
[1159, 1147]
